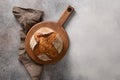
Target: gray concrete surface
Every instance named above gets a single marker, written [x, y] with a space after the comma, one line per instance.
[94, 32]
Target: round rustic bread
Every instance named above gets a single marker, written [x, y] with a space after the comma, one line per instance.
[46, 44]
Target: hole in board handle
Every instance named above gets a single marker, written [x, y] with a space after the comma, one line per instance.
[69, 9]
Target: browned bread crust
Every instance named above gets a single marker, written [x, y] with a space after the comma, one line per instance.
[45, 44]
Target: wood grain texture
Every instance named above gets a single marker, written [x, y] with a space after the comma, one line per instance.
[66, 14]
[55, 26]
[57, 29]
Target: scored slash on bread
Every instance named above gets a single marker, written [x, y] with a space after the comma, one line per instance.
[38, 35]
[44, 44]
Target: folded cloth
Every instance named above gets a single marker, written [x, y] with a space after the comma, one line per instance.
[27, 18]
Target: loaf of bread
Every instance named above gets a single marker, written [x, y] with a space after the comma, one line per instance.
[46, 44]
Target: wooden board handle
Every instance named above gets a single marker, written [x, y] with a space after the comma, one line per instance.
[68, 11]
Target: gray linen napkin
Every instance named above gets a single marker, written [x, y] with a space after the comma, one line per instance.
[27, 18]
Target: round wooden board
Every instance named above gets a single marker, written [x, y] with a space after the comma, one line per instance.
[55, 27]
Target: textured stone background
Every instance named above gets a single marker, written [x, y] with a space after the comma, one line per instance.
[94, 32]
